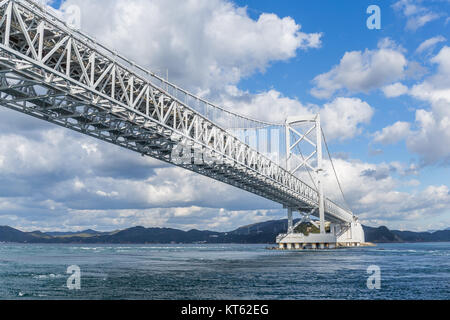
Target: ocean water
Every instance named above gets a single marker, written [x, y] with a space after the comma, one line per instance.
[223, 271]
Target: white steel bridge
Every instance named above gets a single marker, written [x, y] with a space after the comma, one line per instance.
[63, 76]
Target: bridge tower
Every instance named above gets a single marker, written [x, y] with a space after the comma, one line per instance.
[297, 162]
[309, 140]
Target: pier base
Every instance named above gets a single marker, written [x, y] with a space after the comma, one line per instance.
[348, 235]
[299, 241]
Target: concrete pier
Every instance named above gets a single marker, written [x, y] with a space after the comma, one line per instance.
[298, 241]
[340, 235]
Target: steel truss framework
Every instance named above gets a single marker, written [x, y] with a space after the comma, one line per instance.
[303, 138]
[56, 74]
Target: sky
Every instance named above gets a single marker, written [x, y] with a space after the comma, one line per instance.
[383, 95]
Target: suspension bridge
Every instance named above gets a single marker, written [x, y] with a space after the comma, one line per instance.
[61, 75]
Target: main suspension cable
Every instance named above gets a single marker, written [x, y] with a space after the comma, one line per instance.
[335, 174]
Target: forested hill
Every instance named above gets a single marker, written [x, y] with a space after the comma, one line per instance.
[264, 232]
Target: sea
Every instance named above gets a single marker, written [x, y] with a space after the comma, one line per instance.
[223, 271]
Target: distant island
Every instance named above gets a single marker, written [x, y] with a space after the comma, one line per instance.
[264, 232]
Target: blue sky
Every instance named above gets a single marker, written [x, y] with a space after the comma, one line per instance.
[384, 96]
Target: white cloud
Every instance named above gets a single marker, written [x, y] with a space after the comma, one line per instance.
[54, 183]
[421, 20]
[429, 135]
[106, 194]
[431, 140]
[343, 117]
[395, 90]
[372, 193]
[393, 134]
[204, 44]
[269, 106]
[417, 15]
[185, 218]
[362, 71]
[436, 87]
[430, 43]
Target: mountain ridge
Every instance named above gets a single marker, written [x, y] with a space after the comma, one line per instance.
[263, 232]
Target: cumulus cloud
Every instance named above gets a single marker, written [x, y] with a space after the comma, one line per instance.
[395, 90]
[55, 178]
[431, 140]
[372, 191]
[343, 117]
[60, 169]
[184, 218]
[75, 182]
[436, 87]
[393, 134]
[271, 106]
[58, 179]
[362, 71]
[429, 135]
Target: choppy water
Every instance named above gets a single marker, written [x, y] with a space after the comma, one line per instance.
[408, 271]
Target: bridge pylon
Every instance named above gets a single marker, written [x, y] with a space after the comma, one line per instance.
[304, 156]
[312, 163]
